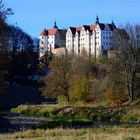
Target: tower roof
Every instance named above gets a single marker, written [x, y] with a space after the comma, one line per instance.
[55, 26]
[97, 19]
[52, 31]
[44, 33]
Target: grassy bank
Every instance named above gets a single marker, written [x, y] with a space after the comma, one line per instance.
[111, 133]
[125, 114]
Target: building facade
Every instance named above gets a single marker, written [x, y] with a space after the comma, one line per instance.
[92, 39]
[51, 39]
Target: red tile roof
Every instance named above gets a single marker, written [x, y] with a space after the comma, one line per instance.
[92, 27]
[44, 33]
[78, 28]
[52, 31]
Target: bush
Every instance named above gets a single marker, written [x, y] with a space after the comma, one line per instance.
[15, 110]
[102, 105]
[61, 99]
[104, 117]
[131, 118]
[128, 138]
[62, 122]
[82, 114]
[117, 118]
[92, 116]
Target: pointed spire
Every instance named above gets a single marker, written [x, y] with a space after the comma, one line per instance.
[55, 26]
[113, 24]
[97, 19]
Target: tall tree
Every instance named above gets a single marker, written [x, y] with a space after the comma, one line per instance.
[128, 42]
[58, 80]
[4, 31]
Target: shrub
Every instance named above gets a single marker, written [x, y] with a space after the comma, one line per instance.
[92, 116]
[62, 122]
[46, 114]
[117, 118]
[25, 112]
[33, 126]
[82, 114]
[131, 118]
[128, 138]
[104, 117]
[102, 105]
[61, 99]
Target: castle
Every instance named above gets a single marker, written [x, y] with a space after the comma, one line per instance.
[93, 39]
[52, 40]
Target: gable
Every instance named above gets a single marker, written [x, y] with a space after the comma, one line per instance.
[69, 31]
[98, 27]
[107, 27]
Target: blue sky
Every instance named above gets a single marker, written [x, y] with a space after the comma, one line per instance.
[35, 15]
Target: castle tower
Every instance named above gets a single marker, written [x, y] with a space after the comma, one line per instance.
[97, 19]
[55, 25]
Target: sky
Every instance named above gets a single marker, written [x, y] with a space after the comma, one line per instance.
[35, 15]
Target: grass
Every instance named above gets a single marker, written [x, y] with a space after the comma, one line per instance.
[127, 115]
[35, 110]
[63, 122]
[132, 116]
[60, 126]
[110, 133]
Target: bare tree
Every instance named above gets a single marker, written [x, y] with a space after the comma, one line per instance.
[128, 42]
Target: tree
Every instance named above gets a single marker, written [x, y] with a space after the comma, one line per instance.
[81, 90]
[4, 12]
[69, 76]
[4, 31]
[58, 81]
[128, 42]
[115, 81]
[22, 54]
[80, 78]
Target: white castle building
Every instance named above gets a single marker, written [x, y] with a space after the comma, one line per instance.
[50, 40]
[94, 39]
